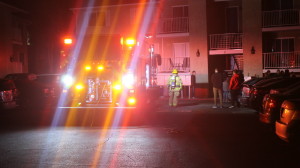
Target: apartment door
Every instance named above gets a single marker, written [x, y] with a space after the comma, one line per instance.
[181, 54]
[285, 48]
[284, 45]
[232, 20]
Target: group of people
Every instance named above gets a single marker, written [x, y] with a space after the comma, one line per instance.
[221, 85]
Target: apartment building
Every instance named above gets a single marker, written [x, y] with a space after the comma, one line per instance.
[14, 40]
[199, 35]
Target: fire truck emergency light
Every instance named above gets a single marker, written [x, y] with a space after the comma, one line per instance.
[130, 42]
[88, 68]
[100, 68]
[79, 87]
[68, 41]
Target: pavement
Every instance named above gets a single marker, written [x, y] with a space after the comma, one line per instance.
[198, 105]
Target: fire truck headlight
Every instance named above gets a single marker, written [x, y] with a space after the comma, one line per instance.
[87, 68]
[79, 87]
[67, 80]
[100, 68]
[131, 101]
[128, 80]
[117, 87]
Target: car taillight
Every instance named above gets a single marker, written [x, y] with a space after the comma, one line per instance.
[7, 95]
[272, 103]
[255, 92]
[246, 92]
[272, 91]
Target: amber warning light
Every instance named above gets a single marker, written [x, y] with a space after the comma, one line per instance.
[68, 41]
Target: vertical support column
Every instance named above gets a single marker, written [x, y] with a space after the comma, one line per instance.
[252, 41]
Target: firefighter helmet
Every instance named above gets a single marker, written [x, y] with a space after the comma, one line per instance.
[174, 71]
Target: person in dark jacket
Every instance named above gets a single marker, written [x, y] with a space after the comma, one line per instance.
[235, 86]
[193, 83]
[217, 81]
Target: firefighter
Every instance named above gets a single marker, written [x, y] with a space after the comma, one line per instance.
[175, 86]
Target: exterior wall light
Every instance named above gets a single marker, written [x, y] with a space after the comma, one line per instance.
[252, 50]
[198, 53]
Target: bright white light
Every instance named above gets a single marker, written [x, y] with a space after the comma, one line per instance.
[128, 80]
[67, 80]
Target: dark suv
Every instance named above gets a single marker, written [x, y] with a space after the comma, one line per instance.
[258, 92]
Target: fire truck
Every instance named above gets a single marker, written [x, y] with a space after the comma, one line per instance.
[101, 71]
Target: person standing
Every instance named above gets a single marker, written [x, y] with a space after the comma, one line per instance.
[175, 86]
[235, 86]
[226, 92]
[193, 84]
[217, 82]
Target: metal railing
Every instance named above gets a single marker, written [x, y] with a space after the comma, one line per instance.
[182, 64]
[279, 18]
[173, 25]
[226, 41]
[281, 60]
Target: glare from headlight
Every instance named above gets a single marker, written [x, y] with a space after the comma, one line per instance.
[128, 80]
[131, 101]
[67, 80]
[117, 87]
[79, 87]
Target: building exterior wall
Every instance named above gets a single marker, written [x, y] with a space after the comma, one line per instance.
[13, 41]
[252, 37]
[198, 40]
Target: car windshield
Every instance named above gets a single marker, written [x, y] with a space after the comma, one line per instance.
[48, 79]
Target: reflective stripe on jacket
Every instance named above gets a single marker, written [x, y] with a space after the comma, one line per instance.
[174, 83]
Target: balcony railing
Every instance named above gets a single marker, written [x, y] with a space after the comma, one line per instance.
[226, 41]
[281, 18]
[173, 25]
[182, 64]
[281, 60]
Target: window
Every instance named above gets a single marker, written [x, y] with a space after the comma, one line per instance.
[283, 45]
[180, 11]
[268, 5]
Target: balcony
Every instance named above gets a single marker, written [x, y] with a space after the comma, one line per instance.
[228, 43]
[182, 64]
[173, 25]
[281, 18]
[281, 60]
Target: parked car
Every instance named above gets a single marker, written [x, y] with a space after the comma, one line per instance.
[272, 102]
[288, 126]
[28, 94]
[20, 76]
[246, 87]
[258, 92]
[50, 87]
[8, 94]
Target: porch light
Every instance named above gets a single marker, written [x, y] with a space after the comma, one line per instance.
[198, 53]
[252, 50]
